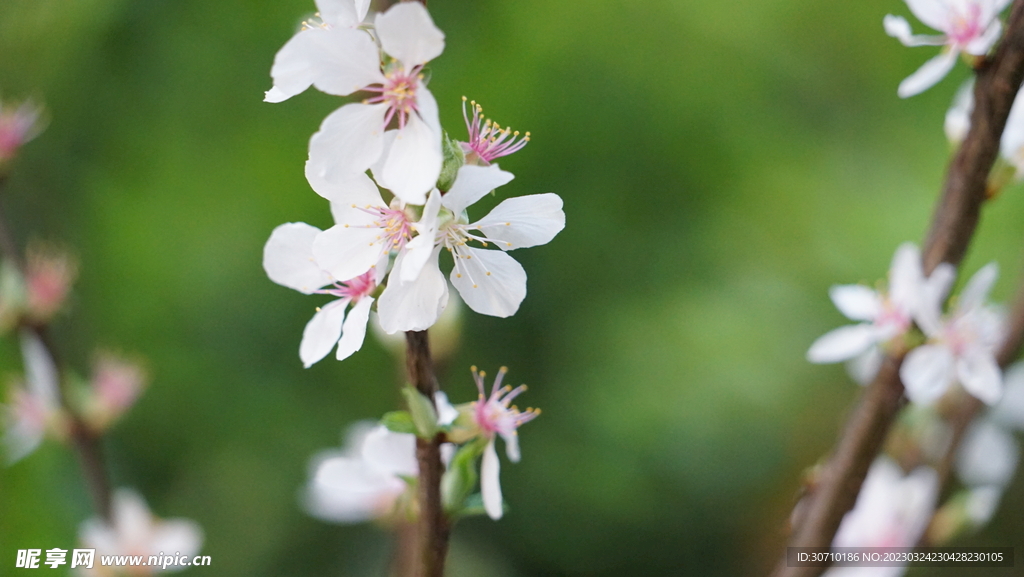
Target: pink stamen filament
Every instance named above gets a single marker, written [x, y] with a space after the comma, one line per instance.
[399, 93]
[486, 138]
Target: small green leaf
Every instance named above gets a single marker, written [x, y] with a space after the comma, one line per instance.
[424, 417]
[454, 158]
[399, 422]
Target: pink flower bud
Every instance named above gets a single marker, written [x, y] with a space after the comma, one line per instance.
[18, 125]
[50, 273]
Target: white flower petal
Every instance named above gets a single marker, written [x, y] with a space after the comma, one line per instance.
[407, 33]
[472, 183]
[974, 294]
[988, 455]
[413, 162]
[344, 61]
[131, 516]
[350, 139]
[932, 13]
[342, 13]
[857, 302]
[288, 258]
[927, 309]
[1011, 145]
[418, 250]
[842, 344]
[927, 372]
[490, 484]
[489, 281]
[41, 375]
[390, 452]
[20, 439]
[354, 330]
[446, 413]
[426, 107]
[293, 67]
[524, 221]
[354, 188]
[348, 251]
[415, 305]
[928, 74]
[512, 446]
[1010, 410]
[899, 28]
[348, 490]
[982, 503]
[905, 276]
[981, 45]
[176, 535]
[980, 376]
[958, 117]
[322, 332]
[864, 367]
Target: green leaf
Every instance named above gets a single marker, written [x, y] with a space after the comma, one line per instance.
[421, 409]
[399, 422]
[461, 477]
[454, 158]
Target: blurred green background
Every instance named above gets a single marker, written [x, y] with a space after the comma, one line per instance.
[722, 164]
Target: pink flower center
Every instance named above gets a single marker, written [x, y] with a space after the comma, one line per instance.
[893, 318]
[355, 288]
[398, 92]
[964, 28]
[487, 140]
[493, 414]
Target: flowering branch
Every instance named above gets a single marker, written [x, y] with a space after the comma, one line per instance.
[87, 445]
[435, 527]
[953, 224]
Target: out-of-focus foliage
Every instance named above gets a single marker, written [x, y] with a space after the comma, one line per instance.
[722, 163]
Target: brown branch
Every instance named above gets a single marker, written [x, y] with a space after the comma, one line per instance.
[435, 527]
[87, 444]
[956, 217]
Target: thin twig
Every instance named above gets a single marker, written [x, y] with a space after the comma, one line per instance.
[87, 444]
[955, 219]
[435, 527]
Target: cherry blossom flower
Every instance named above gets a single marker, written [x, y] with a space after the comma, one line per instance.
[368, 478]
[1011, 144]
[489, 281]
[967, 26]
[316, 54]
[892, 510]
[48, 278]
[340, 61]
[288, 261]
[487, 140]
[18, 125]
[365, 480]
[115, 385]
[884, 315]
[133, 530]
[35, 409]
[495, 417]
[961, 347]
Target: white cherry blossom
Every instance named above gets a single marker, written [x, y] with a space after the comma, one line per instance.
[495, 417]
[884, 315]
[288, 260]
[967, 26]
[407, 159]
[892, 510]
[961, 346]
[1011, 144]
[133, 530]
[489, 281]
[320, 52]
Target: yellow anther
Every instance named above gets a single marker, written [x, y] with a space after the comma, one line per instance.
[458, 275]
[474, 286]
[488, 273]
[473, 368]
[317, 309]
[463, 98]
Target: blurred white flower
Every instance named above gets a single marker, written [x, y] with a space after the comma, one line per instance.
[133, 530]
[366, 479]
[1011, 144]
[496, 417]
[288, 260]
[115, 385]
[968, 26]
[885, 315]
[32, 410]
[961, 347]
[892, 510]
